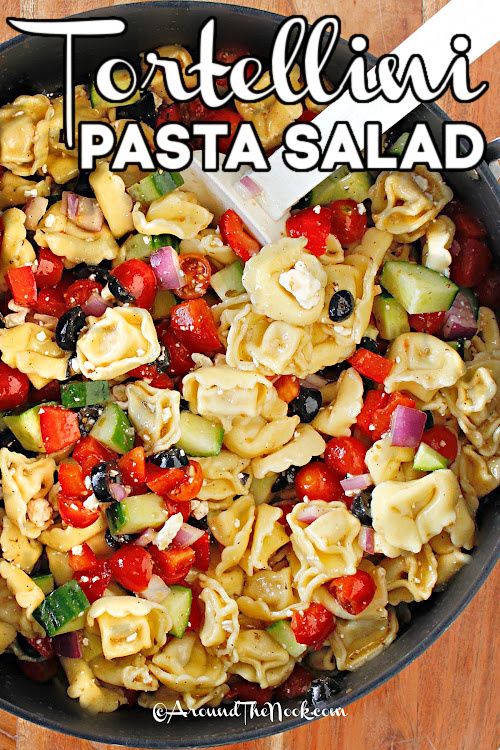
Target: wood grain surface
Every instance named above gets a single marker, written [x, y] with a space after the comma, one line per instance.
[448, 698]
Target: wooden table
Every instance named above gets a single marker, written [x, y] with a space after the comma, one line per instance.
[446, 699]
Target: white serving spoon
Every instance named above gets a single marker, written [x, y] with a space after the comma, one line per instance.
[282, 187]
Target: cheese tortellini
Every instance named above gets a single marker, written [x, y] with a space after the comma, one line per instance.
[17, 251]
[154, 412]
[32, 349]
[261, 659]
[346, 400]
[26, 485]
[177, 213]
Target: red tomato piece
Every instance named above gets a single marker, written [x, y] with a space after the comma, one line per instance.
[39, 671]
[132, 567]
[80, 290]
[190, 486]
[49, 270]
[307, 116]
[355, 592]
[348, 223]
[230, 55]
[95, 580]
[196, 615]
[139, 279]
[71, 479]
[89, 452]
[249, 691]
[443, 441]
[133, 467]
[287, 507]
[316, 481]
[472, 264]
[74, 513]
[22, 285]
[59, 427]
[488, 291]
[44, 646]
[152, 375]
[14, 387]
[163, 481]
[427, 322]
[174, 507]
[288, 387]
[50, 302]
[346, 455]
[313, 625]
[313, 223]
[82, 560]
[172, 565]
[197, 275]
[194, 111]
[371, 365]
[193, 324]
[374, 419]
[234, 234]
[296, 685]
[168, 113]
[202, 551]
[233, 119]
[467, 226]
[180, 358]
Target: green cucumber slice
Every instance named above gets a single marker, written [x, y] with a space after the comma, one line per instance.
[282, 632]
[75, 395]
[163, 303]
[121, 79]
[44, 582]
[61, 608]
[227, 282]
[136, 513]
[416, 288]
[458, 345]
[390, 316]
[200, 436]
[261, 488]
[26, 427]
[142, 246]
[154, 186]
[178, 605]
[341, 184]
[399, 144]
[114, 430]
[427, 459]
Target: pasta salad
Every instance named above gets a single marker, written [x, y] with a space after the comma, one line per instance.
[227, 468]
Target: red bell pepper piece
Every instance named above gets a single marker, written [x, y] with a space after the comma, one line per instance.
[202, 552]
[371, 365]
[196, 615]
[193, 324]
[151, 375]
[374, 419]
[74, 513]
[95, 580]
[59, 428]
[71, 479]
[173, 507]
[50, 269]
[133, 467]
[23, 285]
[44, 646]
[235, 235]
[83, 560]
[313, 223]
[181, 361]
[89, 452]
[163, 481]
[172, 565]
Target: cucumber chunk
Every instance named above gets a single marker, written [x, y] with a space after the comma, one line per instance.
[399, 144]
[178, 605]
[261, 488]
[26, 427]
[44, 582]
[114, 430]
[121, 79]
[142, 246]
[416, 288]
[282, 632]
[390, 316]
[154, 186]
[163, 303]
[136, 513]
[61, 608]
[427, 459]
[200, 436]
[227, 282]
[339, 185]
[75, 395]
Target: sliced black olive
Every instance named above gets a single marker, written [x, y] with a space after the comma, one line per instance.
[99, 273]
[285, 479]
[82, 184]
[199, 523]
[69, 327]
[368, 384]
[370, 344]
[8, 440]
[88, 416]
[184, 405]
[334, 372]
[429, 420]
[118, 290]
[102, 476]
[173, 458]
[243, 478]
[361, 508]
[115, 542]
[143, 110]
[306, 405]
[163, 361]
[323, 689]
[2, 321]
[341, 306]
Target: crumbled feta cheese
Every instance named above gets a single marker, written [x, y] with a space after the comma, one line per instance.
[168, 531]
[361, 208]
[41, 336]
[199, 509]
[77, 550]
[300, 282]
[131, 638]
[421, 181]
[91, 503]
[317, 209]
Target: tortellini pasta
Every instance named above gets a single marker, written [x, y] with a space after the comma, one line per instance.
[26, 483]
[8, 634]
[376, 609]
[27, 594]
[129, 672]
[183, 57]
[304, 445]
[86, 689]
[122, 339]
[268, 536]
[232, 529]
[62, 539]
[208, 242]
[17, 548]
[337, 417]
[411, 577]
[115, 203]
[436, 250]
[14, 190]
[155, 414]
[250, 437]
[449, 558]
[24, 134]
[16, 249]
[221, 625]
[224, 477]
[32, 349]
[387, 462]
[177, 213]
[261, 659]
[269, 595]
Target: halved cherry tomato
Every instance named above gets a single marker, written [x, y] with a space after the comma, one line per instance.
[168, 113]
[39, 671]
[371, 365]
[133, 467]
[22, 285]
[89, 452]
[249, 691]
[180, 358]
[233, 119]
[71, 479]
[95, 580]
[466, 224]
[82, 559]
[288, 387]
[174, 507]
[442, 440]
[197, 275]
[79, 292]
[50, 269]
[172, 565]
[287, 507]
[234, 234]
[316, 481]
[59, 427]
[74, 513]
[472, 264]
[427, 322]
[163, 481]
[139, 279]
[374, 419]
[196, 615]
[14, 387]
[50, 302]
[355, 592]
[313, 223]
[346, 455]
[190, 486]
[132, 567]
[296, 685]
[202, 552]
[348, 222]
[313, 625]
[151, 375]
[44, 646]
[488, 291]
[193, 324]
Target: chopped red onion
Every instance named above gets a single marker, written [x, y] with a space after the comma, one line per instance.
[460, 321]
[82, 211]
[407, 426]
[156, 591]
[250, 187]
[309, 513]
[356, 483]
[366, 540]
[34, 210]
[118, 491]
[95, 305]
[165, 264]
[69, 645]
[187, 535]
[70, 203]
[145, 538]
[314, 381]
